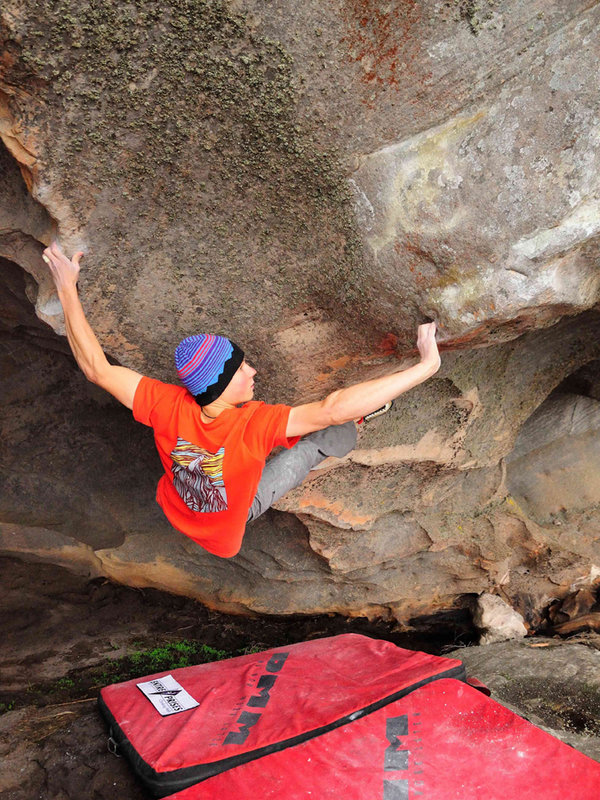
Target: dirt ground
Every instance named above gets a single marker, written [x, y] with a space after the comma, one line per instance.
[64, 637]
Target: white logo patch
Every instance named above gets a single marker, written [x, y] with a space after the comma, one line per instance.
[167, 696]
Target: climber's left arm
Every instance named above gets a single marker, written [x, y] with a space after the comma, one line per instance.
[121, 382]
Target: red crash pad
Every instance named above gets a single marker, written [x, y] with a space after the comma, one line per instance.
[445, 741]
[257, 704]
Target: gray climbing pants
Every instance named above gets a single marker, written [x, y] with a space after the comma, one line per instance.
[289, 468]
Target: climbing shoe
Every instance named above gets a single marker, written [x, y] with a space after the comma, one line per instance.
[383, 410]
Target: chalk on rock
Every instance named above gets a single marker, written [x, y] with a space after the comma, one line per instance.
[497, 620]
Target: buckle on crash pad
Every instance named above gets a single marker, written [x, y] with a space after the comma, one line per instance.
[113, 747]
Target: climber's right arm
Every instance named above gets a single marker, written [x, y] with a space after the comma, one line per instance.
[121, 382]
[352, 402]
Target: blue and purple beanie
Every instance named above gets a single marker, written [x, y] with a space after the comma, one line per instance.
[205, 365]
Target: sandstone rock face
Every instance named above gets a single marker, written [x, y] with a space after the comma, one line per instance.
[555, 464]
[313, 180]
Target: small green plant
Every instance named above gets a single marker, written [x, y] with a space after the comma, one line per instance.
[173, 656]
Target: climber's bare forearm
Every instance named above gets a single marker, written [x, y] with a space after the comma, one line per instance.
[357, 401]
[363, 398]
[119, 381]
[82, 339]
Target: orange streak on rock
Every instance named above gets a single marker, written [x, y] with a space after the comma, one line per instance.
[314, 499]
[385, 41]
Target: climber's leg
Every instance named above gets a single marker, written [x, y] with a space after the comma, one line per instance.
[289, 468]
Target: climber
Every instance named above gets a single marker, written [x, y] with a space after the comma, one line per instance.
[212, 437]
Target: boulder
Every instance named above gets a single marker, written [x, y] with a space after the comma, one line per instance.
[554, 467]
[312, 181]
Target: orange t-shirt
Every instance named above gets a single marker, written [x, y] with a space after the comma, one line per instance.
[212, 470]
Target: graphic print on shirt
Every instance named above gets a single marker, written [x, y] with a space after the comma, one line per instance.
[198, 476]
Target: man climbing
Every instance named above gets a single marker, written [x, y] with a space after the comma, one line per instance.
[212, 437]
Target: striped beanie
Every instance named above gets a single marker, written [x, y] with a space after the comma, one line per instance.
[205, 365]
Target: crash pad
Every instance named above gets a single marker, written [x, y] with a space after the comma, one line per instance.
[247, 707]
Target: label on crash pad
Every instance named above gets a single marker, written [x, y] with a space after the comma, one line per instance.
[167, 696]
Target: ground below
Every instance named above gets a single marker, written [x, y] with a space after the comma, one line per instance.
[64, 637]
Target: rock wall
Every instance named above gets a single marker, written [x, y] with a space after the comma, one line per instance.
[313, 180]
